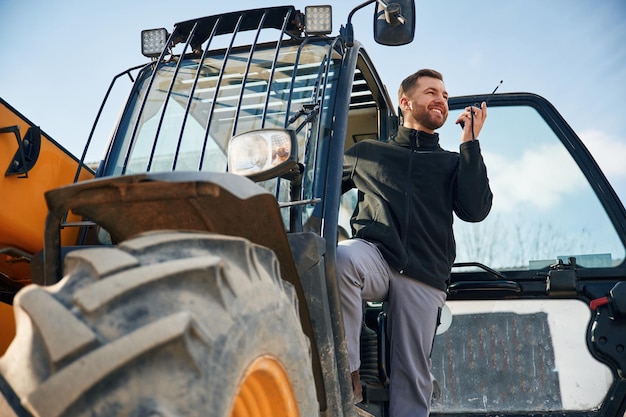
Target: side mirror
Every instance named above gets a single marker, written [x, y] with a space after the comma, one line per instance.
[394, 23]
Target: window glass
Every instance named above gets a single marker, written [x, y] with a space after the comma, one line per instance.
[192, 110]
[251, 93]
[543, 208]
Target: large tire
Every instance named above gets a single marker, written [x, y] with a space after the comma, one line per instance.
[165, 324]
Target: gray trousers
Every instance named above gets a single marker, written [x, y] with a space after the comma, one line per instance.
[364, 275]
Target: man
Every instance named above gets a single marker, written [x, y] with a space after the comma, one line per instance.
[404, 248]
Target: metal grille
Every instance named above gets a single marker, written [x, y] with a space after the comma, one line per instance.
[188, 106]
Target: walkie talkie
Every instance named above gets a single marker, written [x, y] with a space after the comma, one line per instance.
[477, 105]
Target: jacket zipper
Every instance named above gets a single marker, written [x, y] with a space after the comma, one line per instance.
[407, 211]
[407, 215]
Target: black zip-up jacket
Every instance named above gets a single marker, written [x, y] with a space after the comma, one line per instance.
[409, 188]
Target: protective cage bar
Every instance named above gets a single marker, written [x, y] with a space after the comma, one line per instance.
[197, 32]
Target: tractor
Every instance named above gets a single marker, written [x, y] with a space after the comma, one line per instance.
[192, 270]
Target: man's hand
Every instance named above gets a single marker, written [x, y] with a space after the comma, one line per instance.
[465, 119]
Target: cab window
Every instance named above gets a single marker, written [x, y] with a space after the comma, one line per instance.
[544, 209]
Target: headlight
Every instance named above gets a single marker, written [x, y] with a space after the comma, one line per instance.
[263, 154]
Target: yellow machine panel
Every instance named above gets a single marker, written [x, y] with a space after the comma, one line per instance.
[31, 163]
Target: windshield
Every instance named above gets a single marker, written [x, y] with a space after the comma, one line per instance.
[183, 116]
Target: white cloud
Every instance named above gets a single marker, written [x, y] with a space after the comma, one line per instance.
[608, 151]
[539, 177]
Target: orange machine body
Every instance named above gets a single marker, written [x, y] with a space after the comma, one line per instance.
[23, 210]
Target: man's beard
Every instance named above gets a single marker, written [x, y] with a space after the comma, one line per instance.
[429, 122]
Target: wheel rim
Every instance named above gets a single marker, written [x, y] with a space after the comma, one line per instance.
[265, 390]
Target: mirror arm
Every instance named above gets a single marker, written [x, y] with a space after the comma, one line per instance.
[359, 7]
[348, 32]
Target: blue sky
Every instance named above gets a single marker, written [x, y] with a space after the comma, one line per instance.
[60, 56]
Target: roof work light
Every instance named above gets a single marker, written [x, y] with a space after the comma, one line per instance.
[153, 42]
[318, 20]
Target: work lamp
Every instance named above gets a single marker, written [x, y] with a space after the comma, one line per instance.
[318, 20]
[153, 42]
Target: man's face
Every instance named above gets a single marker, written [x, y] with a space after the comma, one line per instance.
[425, 106]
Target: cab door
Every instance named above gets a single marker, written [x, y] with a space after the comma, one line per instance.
[535, 319]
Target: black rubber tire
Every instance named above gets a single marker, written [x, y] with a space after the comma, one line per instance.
[164, 324]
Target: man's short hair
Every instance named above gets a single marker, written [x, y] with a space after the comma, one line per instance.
[410, 81]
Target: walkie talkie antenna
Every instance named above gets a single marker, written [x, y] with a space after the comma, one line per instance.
[490, 95]
[477, 105]
[494, 91]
